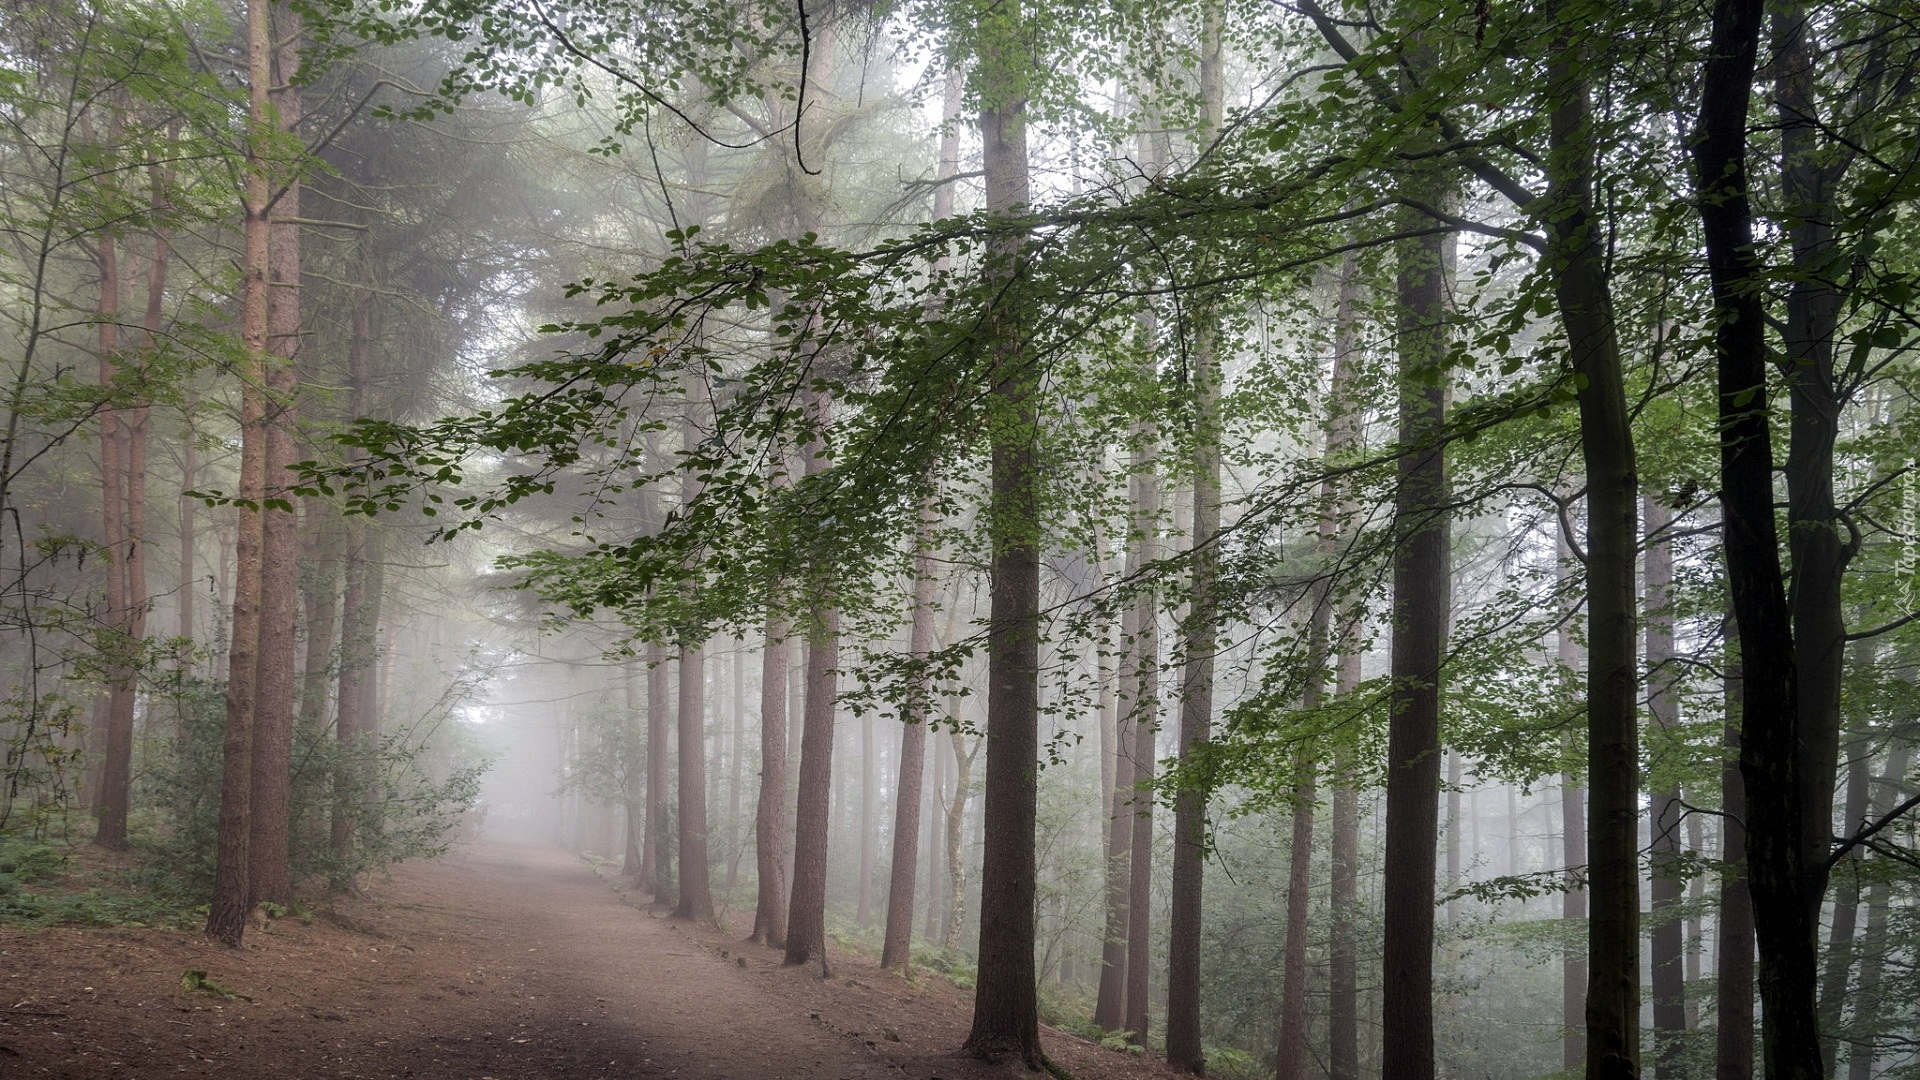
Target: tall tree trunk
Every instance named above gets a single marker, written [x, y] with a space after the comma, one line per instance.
[1861, 1056]
[659, 837]
[1773, 745]
[770, 811]
[1344, 407]
[359, 617]
[696, 894]
[956, 905]
[115, 741]
[806, 910]
[1110, 1004]
[1323, 638]
[1201, 634]
[1816, 535]
[1668, 941]
[1846, 899]
[933, 793]
[896, 946]
[1733, 958]
[232, 899]
[271, 874]
[1585, 297]
[634, 803]
[869, 768]
[1421, 597]
[1006, 1008]
[1573, 839]
[1140, 712]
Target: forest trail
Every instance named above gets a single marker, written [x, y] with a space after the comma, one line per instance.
[503, 961]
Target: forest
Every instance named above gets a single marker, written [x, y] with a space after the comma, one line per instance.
[1287, 538]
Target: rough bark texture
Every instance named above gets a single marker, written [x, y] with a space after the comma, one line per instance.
[897, 942]
[227, 912]
[1006, 1017]
[1773, 750]
[769, 814]
[807, 909]
[1421, 590]
[115, 773]
[271, 876]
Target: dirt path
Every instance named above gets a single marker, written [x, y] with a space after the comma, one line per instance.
[504, 962]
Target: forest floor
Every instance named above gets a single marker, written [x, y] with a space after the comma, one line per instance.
[501, 961]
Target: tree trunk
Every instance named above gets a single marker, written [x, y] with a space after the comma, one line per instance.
[231, 901]
[1733, 958]
[770, 812]
[1606, 444]
[1573, 839]
[696, 895]
[1201, 634]
[1773, 746]
[1846, 900]
[659, 753]
[1140, 705]
[869, 751]
[633, 860]
[271, 874]
[896, 947]
[1006, 1017]
[1668, 940]
[956, 839]
[1344, 410]
[1110, 1004]
[806, 912]
[115, 740]
[1421, 596]
[1861, 1055]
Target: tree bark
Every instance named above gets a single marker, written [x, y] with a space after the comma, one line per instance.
[1668, 940]
[1421, 598]
[1585, 297]
[806, 911]
[770, 812]
[660, 833]
[1344, 407]
[1733, 959]
[1862, 1056]
[1201, 634]
[696, 894]
[1006, 1017]
[231, 901]
[633, 860]
[271, 874]
[896, 947]
[1773, 746]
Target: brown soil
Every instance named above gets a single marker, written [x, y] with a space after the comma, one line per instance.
[503, 962]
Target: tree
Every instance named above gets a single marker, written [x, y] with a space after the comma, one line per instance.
[232, 895]
[1006, 1010]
